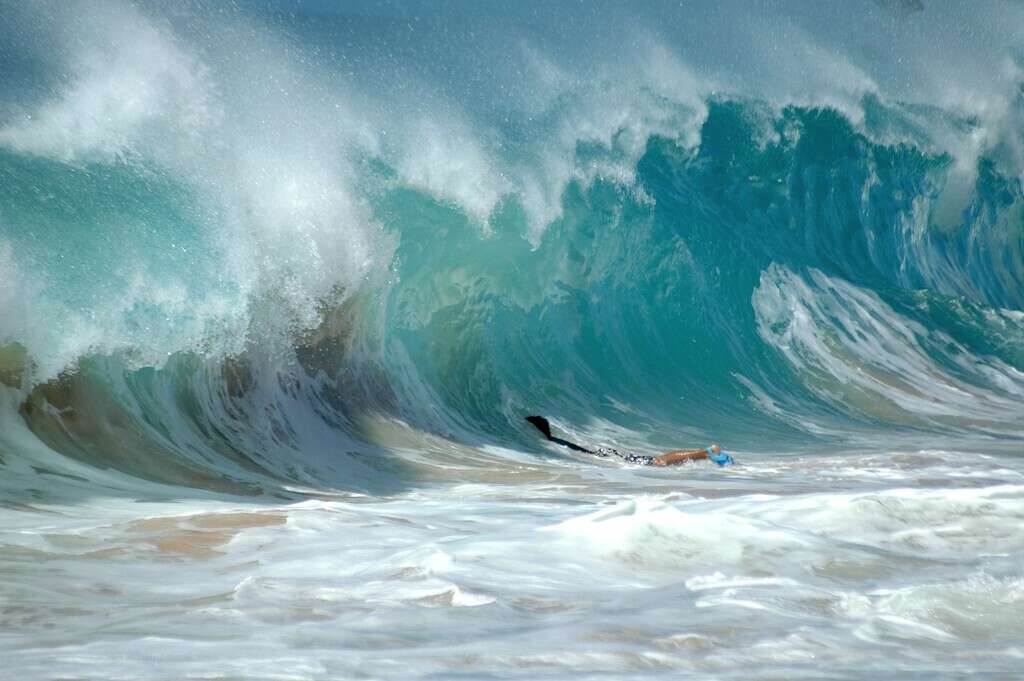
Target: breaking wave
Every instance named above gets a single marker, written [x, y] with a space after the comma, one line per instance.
[251, 252]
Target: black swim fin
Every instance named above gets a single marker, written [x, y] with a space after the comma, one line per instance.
[541, 424]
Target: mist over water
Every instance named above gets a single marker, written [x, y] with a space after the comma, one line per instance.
[278, 284]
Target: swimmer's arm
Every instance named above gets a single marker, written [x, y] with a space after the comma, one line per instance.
[678, 456]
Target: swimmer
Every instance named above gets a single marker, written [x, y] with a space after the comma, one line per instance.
[673, 458]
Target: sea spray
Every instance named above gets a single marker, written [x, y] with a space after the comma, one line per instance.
[277, 288]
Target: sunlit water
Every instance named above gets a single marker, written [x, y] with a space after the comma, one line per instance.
[279, 283]
[888, 564]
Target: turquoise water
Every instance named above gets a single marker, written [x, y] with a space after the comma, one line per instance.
[277, 276]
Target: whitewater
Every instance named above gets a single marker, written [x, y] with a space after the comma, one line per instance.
[279, 282]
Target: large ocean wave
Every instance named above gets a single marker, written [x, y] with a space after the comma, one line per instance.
[234, 244]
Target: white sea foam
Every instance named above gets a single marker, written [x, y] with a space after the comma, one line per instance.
[844, 564]
[273, 142]
[434, 580]
[133, 89]
[274, 179]
[852, 348]
[446, 161]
